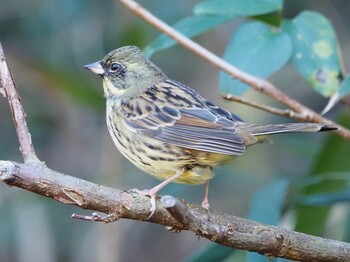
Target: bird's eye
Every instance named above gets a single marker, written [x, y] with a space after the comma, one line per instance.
[115, 67]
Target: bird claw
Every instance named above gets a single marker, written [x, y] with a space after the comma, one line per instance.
[153, 191]
[153, 206]
[205, 204]
[151, 194]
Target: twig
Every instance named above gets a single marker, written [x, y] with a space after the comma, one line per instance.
[95, 217]
[286, 112]
[258, 84]
[222, 228]
[199, 225]
[176, 210]
[9, 90]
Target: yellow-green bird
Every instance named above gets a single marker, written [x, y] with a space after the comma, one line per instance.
[167, 129]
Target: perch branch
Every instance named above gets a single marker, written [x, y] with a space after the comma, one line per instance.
[261, 85]
[222, 228]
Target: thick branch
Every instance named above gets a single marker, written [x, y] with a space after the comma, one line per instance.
[258, 84]
[9, 90]
[222, 228]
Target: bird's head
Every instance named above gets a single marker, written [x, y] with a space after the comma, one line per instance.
[126, 71]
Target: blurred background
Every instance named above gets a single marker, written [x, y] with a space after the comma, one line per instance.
[46, 44]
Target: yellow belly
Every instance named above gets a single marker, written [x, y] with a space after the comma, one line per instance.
[197, 173]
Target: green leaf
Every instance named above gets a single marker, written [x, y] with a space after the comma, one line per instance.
[334, 157]
[274, 19]
[189, 26]
[267, 203]
[256, 49]
[344, 88]
[267, 207]
[325, 199]
[237, 7]
[315, 53]
[329, 182]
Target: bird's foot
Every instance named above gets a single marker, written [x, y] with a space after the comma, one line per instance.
[153, 191]
[147, 192]
[205, 204]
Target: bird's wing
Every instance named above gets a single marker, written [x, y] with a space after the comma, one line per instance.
[181, 117]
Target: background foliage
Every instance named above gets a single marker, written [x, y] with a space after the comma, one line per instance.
[300, 182]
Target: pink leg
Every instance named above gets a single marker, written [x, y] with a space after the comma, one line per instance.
[153, 191]
[205, 202]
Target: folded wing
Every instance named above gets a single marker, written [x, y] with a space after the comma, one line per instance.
[205, 127]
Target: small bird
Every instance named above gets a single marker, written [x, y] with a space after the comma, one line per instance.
[167, 129]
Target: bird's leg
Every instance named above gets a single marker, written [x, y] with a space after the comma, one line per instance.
[154, 190]
[205, 202]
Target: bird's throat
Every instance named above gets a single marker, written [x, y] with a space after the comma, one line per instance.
[111, 90]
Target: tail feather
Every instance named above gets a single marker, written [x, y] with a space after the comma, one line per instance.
[260, 130]
[326, 128]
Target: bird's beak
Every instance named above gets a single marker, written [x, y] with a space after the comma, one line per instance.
[95, 68]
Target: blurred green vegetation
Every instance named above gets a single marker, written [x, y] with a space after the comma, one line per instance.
[48, 42]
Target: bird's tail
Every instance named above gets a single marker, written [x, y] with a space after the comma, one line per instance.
[252, 133]
[262, 130]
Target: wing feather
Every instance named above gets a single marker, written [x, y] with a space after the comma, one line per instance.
[196, 124]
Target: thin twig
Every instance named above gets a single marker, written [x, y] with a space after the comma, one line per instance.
[9, 90]
[258, 84]
[286, 112]
[95, 217]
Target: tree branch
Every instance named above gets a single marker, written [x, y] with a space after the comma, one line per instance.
[222, 228]
[261, 85]
[286, 112]
[9, 90]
